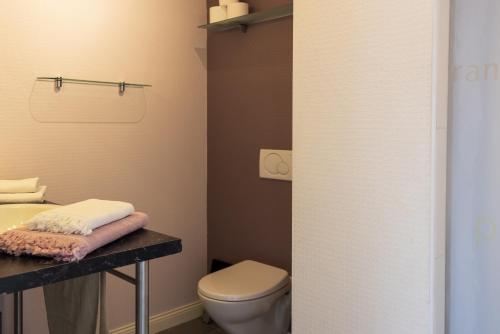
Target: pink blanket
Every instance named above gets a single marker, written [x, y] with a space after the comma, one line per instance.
[68, 247]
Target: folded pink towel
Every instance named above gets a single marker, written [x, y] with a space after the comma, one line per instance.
[68, 247]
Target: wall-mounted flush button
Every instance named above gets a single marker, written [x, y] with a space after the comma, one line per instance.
[276, 164]
[283, 168]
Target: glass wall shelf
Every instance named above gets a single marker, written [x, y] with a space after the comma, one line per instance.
[242, 22]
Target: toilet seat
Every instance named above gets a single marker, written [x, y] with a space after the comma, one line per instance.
[244, 281]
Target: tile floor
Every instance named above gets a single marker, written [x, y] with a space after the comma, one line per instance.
[194, 327]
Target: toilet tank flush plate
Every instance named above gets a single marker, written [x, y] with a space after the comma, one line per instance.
[275, 164]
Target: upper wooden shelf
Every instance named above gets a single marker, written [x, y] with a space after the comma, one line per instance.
[243, 22]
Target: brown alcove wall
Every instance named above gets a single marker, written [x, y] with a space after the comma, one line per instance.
[249, 107]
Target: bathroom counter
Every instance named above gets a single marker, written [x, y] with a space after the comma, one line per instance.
[21, 273]
[26, 272]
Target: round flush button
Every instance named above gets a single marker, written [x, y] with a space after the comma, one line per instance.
[272, 162]
[283, 168]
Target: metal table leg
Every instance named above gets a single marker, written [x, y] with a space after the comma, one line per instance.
[18, 312]
[141, 298]
[141, 301]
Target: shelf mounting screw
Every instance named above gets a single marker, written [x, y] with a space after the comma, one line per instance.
[121, 87]
[58, 83]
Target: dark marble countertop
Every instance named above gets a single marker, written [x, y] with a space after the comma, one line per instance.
[26, 272]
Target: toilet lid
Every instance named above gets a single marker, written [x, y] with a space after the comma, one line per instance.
[244, 281]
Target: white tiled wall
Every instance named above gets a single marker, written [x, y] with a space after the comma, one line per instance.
[364, 218]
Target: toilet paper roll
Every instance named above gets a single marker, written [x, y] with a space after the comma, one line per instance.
[218, 13]
[227, 2]
[236, 9]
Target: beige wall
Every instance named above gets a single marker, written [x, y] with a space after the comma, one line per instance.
[369, 150]
[159, 164]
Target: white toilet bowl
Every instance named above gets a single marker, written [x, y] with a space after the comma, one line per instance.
[248, 298]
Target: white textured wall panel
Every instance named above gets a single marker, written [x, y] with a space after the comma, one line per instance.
[363, 125]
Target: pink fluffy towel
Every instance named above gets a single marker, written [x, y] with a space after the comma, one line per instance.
[68, 247]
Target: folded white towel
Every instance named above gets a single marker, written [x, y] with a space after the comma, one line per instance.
[19, 186]
[80, 218]
[36, 197]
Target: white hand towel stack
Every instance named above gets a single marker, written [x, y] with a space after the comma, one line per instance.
[79, 218]
[21, 191]
[228, 9]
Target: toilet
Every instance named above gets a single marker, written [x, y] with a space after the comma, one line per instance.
[248, 298]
